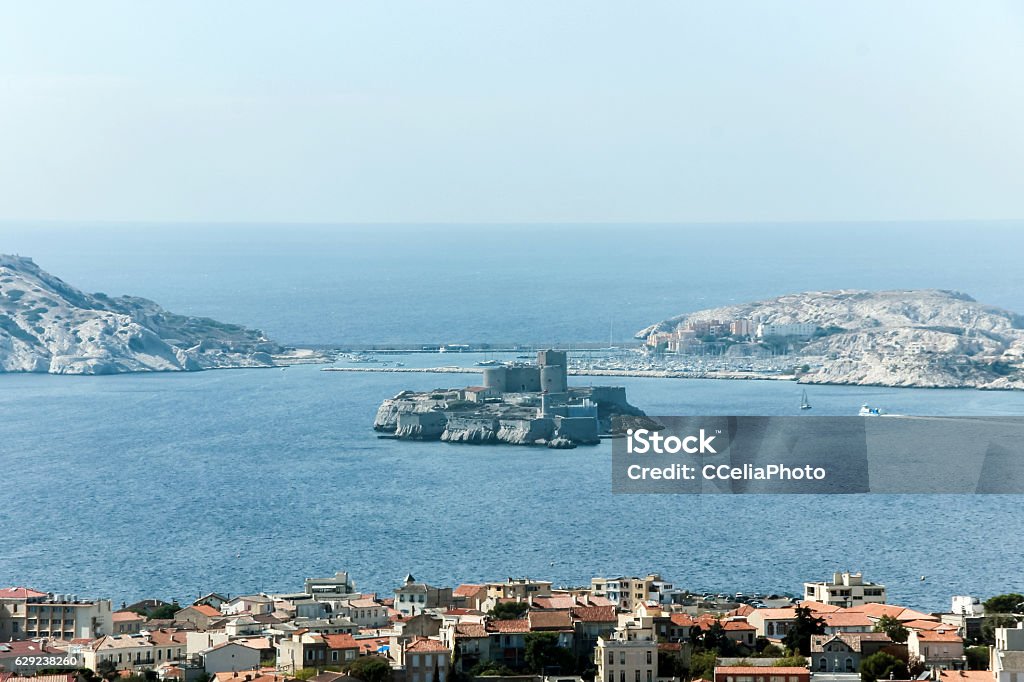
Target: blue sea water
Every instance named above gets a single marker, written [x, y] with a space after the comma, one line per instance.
[175, 484]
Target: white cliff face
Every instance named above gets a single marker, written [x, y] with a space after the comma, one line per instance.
[48, 326]
[926, 338]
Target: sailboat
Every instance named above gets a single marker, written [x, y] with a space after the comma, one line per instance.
[805, 404]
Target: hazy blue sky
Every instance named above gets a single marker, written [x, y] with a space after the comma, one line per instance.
[517, 110]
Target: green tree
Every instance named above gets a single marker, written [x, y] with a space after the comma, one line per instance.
[880, 665]
[799, 636]
[988, 627]
[771, 651]
[893, 629]
[542, 653]
[790, 662]
[371, 669]
[713, 639]
[702, 664]
[1005, 603]
[977, 657]
[509, 610]
[490, 669]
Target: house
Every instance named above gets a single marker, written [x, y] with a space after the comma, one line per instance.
[559, 622]
[772, 623]
[844, 621]
[339, 584]
[341, 649]
[1006, 657]
[200, 617]
[229, 657]
[629, 654]
[364, 612]
[627, 592]
[936, 648]
[837, 653]
[253, 604]
[212, 599]
[126, 622]
[304, 649]
[845, 589]
[469, 596]
[169, 644]
[124, 652]
[516, 589]
[27, 614]
[424, 660]
[591, 623]
[415, 597]
[469, 642]
[740, 631]
[508, 640]
[761, 674]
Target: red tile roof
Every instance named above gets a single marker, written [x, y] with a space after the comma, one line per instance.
[595, 614]
[549, 620]
[466, 590]
[425, 645]
[682, 620]
[936, 636]
[469, 631]
[509, 626]
[734, 625]
[20, 593]
[344, 641]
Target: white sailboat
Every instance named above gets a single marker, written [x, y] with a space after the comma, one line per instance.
[805, 404]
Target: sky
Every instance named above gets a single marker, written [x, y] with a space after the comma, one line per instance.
[511, 111]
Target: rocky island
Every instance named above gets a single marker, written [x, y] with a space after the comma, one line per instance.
[909, 338]
[49, 326]
[518, 403]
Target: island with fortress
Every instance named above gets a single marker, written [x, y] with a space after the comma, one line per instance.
[518, 403]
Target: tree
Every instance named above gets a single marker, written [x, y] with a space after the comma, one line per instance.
[1005, 603]
[988, 627]
[509, 610]
[542, 653]
[371, 669]
[893, 629]
[880, 665]
[771, 651]
[799, 636]
[713, 639]
[702, 664]
[790, 662]
[977, 657]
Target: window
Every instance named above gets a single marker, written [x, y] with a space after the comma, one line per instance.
[622, 658]
[648, 658]
[309, 655]
[415, 660]
[334, 655]
[650, 675]
[636, 676]
[611, 657]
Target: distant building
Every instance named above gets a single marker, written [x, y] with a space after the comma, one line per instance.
[1006, 658]
[629, 592]
[518, 589]
[414, 597]
[27, 614]
[937, 649]
[800, 330]
[845, 589]
[339, 584]
[629, 654]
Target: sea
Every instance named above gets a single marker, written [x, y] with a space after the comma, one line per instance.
[177, 484]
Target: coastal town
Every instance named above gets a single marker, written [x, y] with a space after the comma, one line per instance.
[621, 629]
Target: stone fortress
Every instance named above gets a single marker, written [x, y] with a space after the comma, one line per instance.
[518, 403]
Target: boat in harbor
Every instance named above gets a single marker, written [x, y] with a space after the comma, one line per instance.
[489, 363]
[868, 411]
[805, 404]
